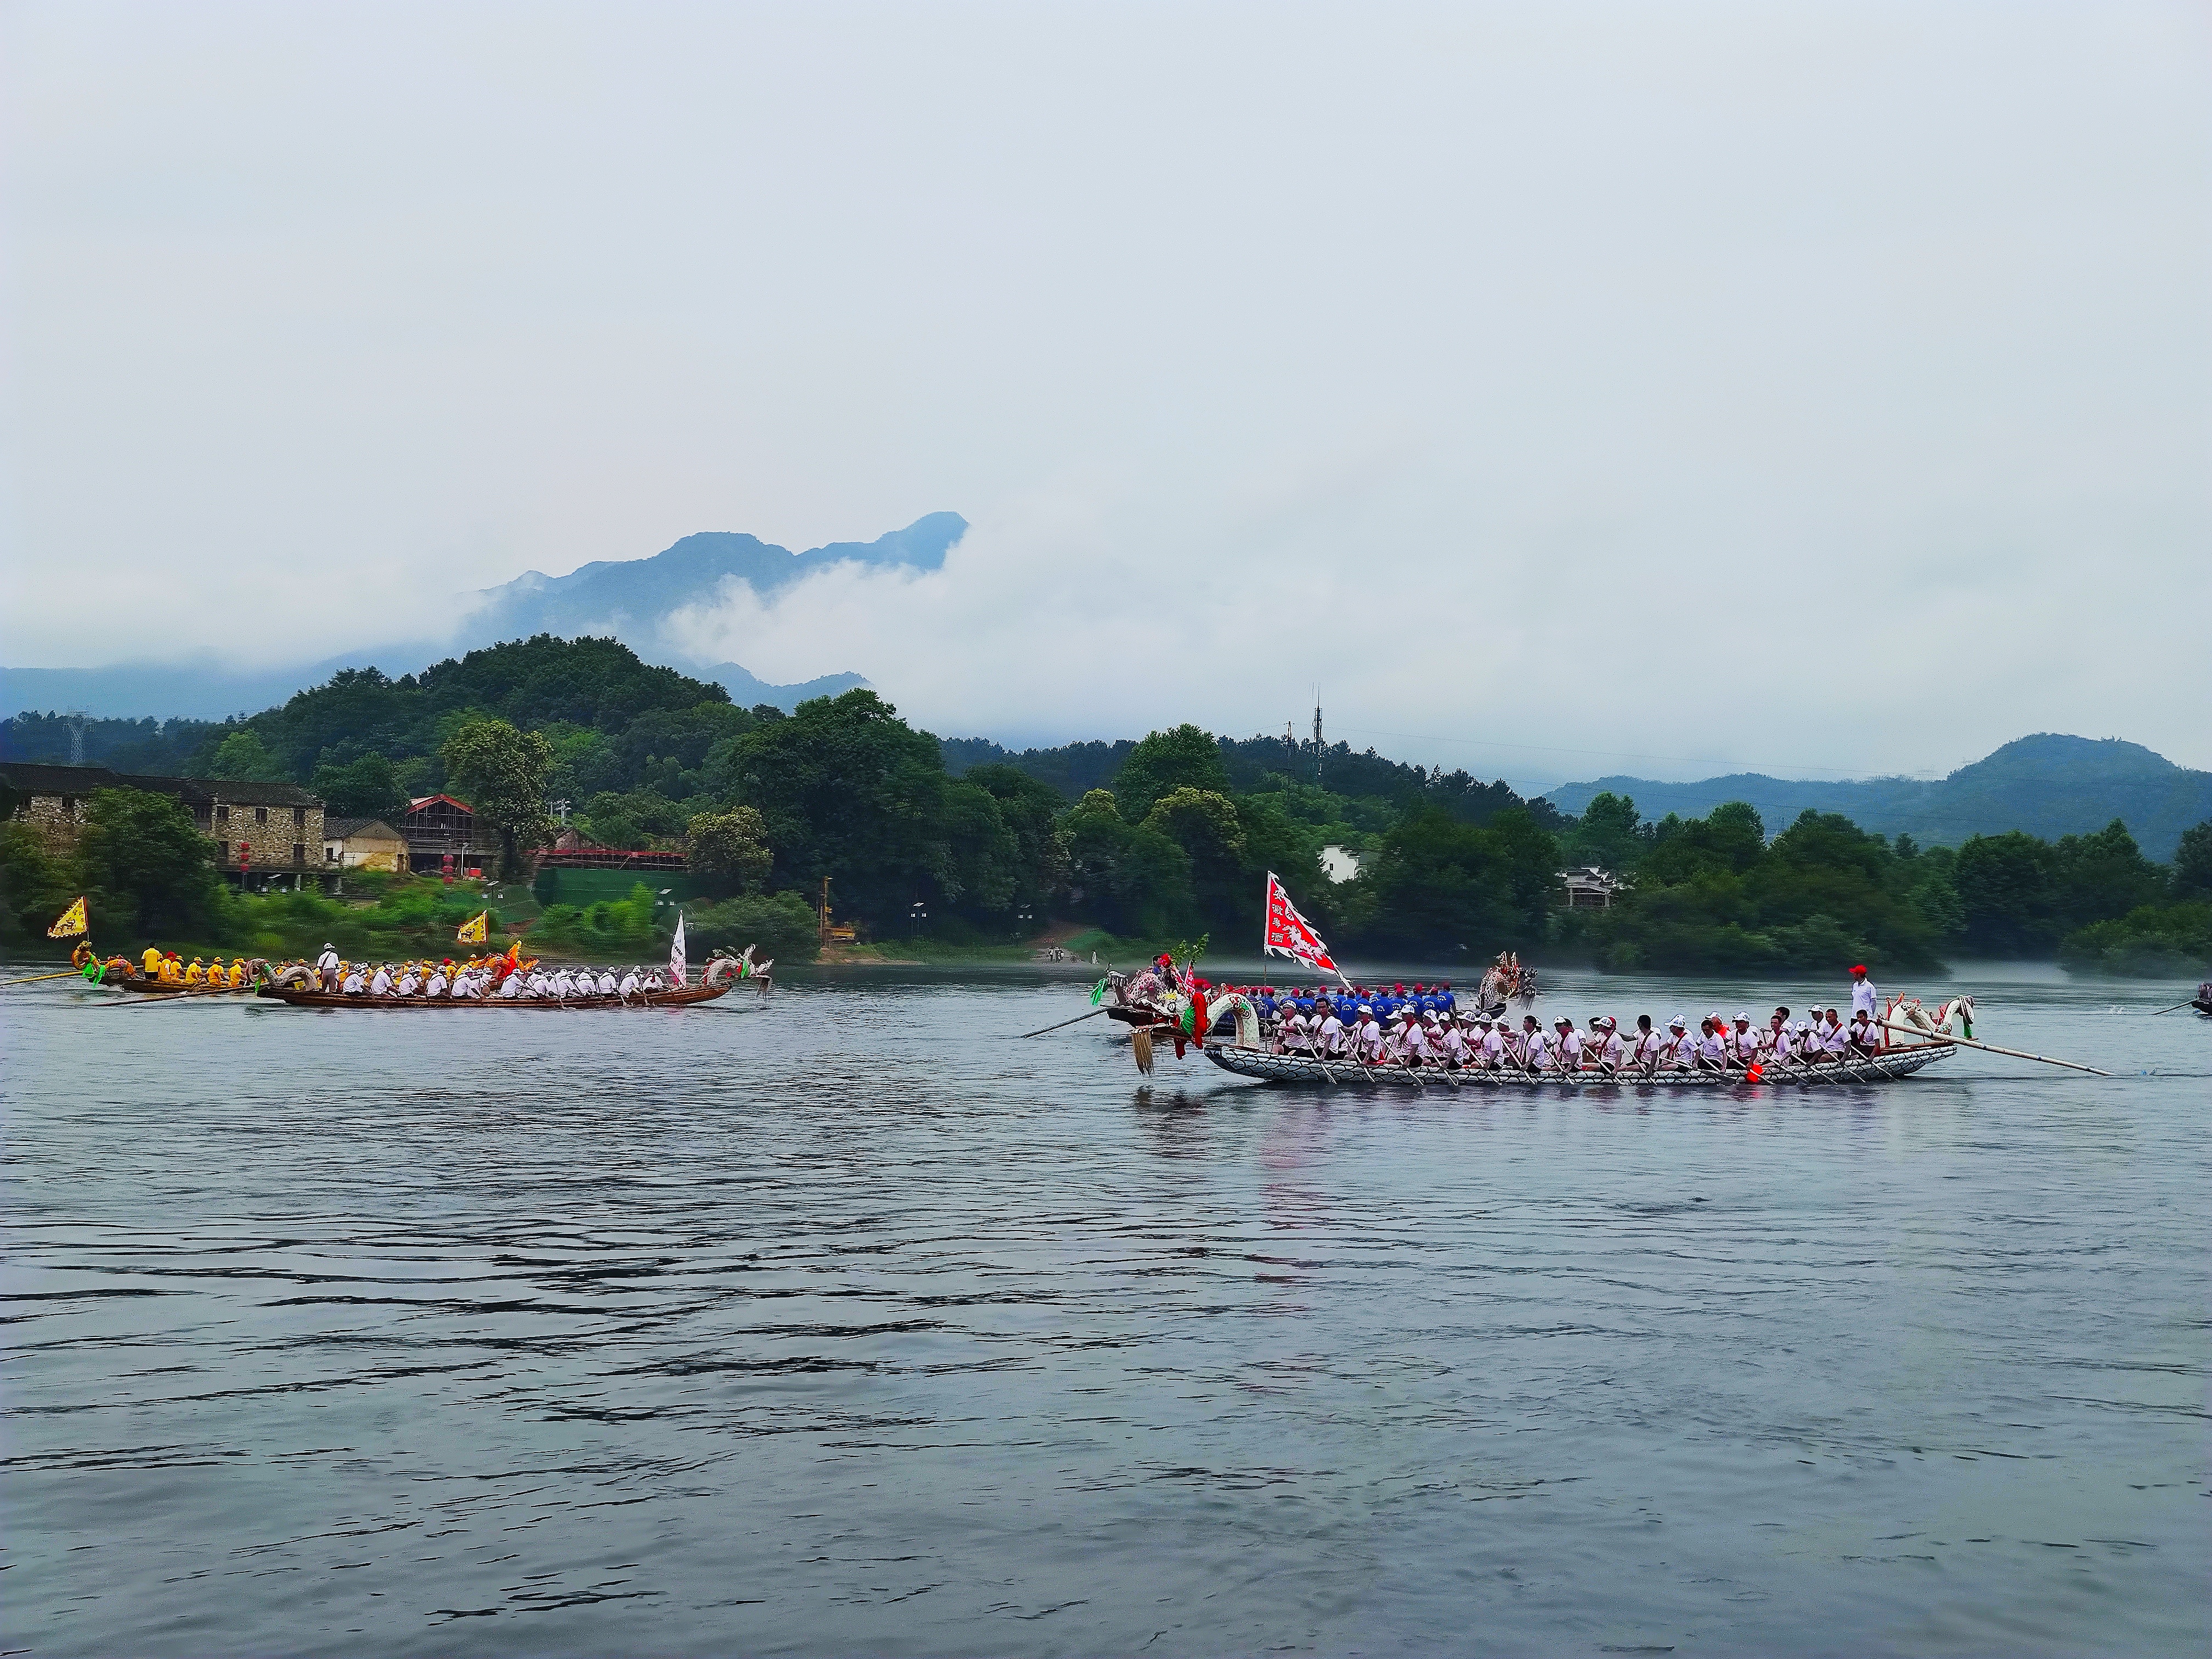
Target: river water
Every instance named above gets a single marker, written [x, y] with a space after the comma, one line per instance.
[837, 1324]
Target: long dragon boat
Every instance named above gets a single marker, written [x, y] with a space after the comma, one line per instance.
[1887, 1066]
[297, 987]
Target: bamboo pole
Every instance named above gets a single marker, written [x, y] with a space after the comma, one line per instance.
[1932, 1035]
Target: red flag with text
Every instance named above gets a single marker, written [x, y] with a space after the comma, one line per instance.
[1289, 935]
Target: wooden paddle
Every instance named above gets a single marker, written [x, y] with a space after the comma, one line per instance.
[1991, 1048]
[78, 974]
[1063, 1024]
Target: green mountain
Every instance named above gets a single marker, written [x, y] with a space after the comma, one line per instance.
[2049, 785]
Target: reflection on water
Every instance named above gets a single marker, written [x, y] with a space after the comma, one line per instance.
[834, 1325]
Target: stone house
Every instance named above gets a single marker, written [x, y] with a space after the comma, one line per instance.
[269, 827]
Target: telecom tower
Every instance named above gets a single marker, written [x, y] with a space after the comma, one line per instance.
[1317, 743]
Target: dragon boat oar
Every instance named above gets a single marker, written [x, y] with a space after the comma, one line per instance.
[1062, 1026]
[2177, 1007]
[174, 996]
[75, 973]
[1991, 1048]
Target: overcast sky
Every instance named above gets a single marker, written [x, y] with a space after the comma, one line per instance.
[1566, 388]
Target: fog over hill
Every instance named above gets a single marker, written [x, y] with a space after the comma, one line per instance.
[2047, 784]
[641, 602]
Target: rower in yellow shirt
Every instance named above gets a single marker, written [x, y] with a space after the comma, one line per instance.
[172, 971]
[237, 972]
[196, 975]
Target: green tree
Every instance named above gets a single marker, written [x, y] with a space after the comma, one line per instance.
[366, 788]
[1181, 757]
[2192, 863]
[36, 885]
[1609, 834]
[1439, 884]
[1129, 879]
[242, 757]
[781, 924]
[503, 774]
[729, 850]
[2007, 884]
[146, 859]
[1030, 811]
[849, 791]
[2104, 876]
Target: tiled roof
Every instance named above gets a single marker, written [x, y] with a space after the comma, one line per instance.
[199, 792]
[340, 828]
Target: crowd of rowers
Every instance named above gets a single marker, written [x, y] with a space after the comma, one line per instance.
[483, 978]
[1424, 1026]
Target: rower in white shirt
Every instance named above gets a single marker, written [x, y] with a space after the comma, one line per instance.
[1329, 1039]
[381, 985]
[1367, 1036]
[1678, 1051]
[1534, 1045]
[1566, 1045]
[1605, 1048]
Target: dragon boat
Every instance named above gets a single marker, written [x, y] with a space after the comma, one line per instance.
[1887, 1066]
[298, 987]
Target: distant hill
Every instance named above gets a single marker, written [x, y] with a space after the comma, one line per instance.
[630, 600]
[631, 597]
[2049, 785]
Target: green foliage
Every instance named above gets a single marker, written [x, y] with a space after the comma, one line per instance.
[851, 792]
[612, 929]
[366, 788]
[36, 887]
[2151, 942]
[1609, 835]
[781, 924]
[504, 773]
[1181, 757]
[1438, 885]
[729, 851]
[146, 859]
[1711, 896]
[243, 757]
[2192, 863]
[413, 917]
[1130, 879]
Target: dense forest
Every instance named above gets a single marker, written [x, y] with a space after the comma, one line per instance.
[1162, 837]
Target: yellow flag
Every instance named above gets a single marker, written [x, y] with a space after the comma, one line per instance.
[73, 922]
[473, 931]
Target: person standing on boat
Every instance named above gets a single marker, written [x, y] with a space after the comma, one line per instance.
[327, 965]
[1865, 1000]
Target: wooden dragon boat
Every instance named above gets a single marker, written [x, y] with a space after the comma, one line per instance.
[300, 997]
[297, 987]
[1347, 1073]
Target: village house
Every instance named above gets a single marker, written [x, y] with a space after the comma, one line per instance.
[443, 838]
[257, 827]
[1589, 888]
[363, 844]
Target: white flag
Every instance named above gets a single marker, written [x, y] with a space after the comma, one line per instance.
[676, 952]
